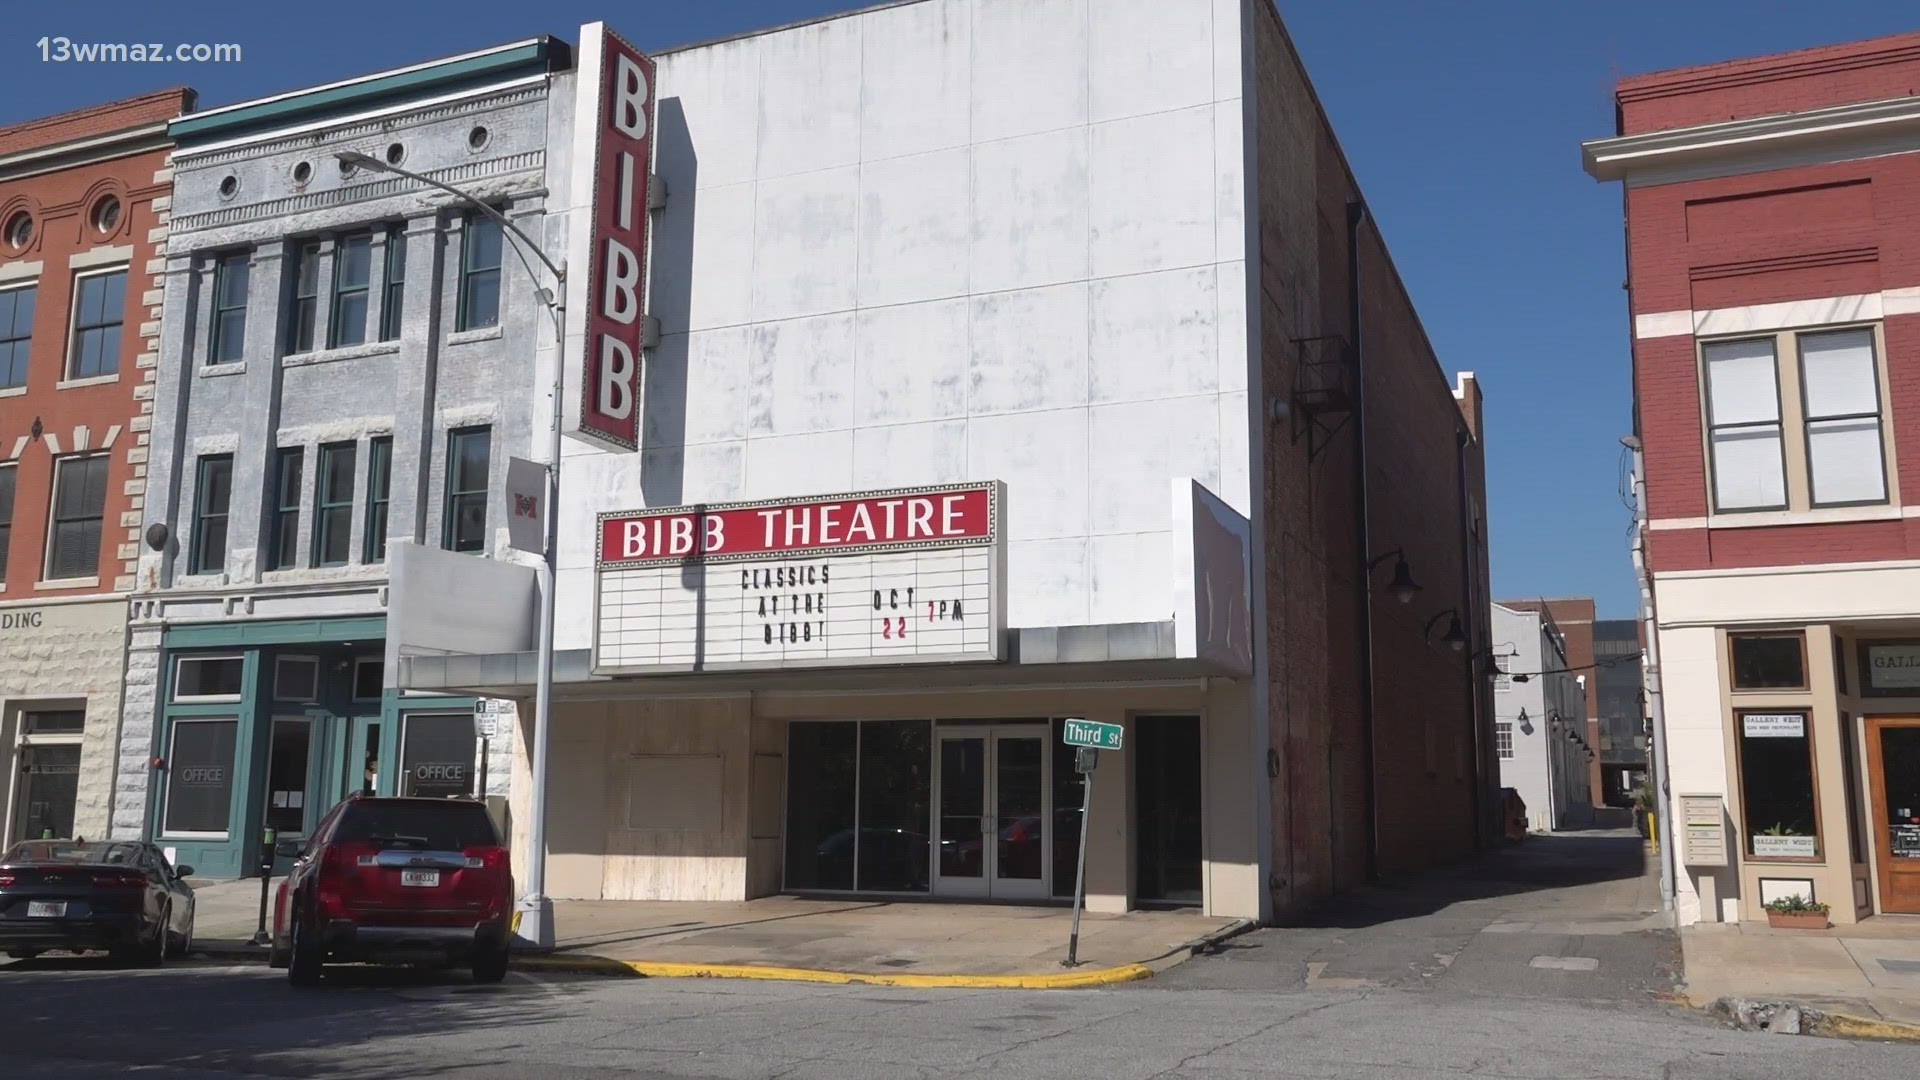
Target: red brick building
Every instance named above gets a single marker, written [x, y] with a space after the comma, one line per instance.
[83, 212]
[1774, 284]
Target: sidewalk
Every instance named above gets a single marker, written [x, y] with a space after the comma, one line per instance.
[1870, 970]
[907, 943]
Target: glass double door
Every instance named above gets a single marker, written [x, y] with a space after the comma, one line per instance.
[992, 818]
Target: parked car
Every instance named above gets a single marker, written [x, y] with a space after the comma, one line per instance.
[386, 880]
[78, 895]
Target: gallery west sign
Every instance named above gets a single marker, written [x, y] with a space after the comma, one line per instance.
[905, 576]
[607, 242]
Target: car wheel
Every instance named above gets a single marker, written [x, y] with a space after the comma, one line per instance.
[490, 965]
[304, 958]
[154, 953]
[181, 946]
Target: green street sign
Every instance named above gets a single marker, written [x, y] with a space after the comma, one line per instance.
[1091, 733]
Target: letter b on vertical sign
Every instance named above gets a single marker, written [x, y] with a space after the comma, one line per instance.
[607, 242]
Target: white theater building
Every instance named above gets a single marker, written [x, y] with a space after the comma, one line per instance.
[949, 402]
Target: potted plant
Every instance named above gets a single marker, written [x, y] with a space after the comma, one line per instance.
[1796, 913]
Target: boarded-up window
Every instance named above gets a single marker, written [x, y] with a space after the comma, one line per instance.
[675, 792]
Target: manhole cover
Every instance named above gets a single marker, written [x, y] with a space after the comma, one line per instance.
[896, 963]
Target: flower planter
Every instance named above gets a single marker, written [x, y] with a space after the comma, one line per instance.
[1805, 920]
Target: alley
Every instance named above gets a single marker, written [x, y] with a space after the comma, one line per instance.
[1574, 916]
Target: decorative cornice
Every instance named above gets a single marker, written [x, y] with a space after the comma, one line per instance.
[190, 161]
[530, 162]
[88, 151]
[1617, 158]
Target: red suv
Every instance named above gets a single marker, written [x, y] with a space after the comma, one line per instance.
[396, 880]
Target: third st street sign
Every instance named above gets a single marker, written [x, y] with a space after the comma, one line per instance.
[1093, 733]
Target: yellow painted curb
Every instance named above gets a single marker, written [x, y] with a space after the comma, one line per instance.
[1859, 1027]
[1077, 980]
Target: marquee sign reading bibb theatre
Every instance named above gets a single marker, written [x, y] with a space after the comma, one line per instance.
[914, 575]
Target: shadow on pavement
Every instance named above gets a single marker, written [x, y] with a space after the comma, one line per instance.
[248, 1021]
[1536, 864]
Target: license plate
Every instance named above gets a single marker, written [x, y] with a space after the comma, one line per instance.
[424, 878]
[46, 909]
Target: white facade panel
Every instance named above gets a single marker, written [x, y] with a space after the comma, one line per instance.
[1149, 56]
[809, 101]
[914, 94]
[1029, 66]
[1030, 211]
[899, 248]
[1151, 184]
[913, 246]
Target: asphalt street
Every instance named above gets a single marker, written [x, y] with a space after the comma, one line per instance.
[81, 1018]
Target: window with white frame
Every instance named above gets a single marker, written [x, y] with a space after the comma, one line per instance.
[208, 678]
[99, 313]
[79, 506]
[1796, 420]
[1503, 738]
[16, 333]
[1840, 392]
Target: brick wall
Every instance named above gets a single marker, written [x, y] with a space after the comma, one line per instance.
[110, 415]
[1874, 70]
[1807, 232]
[1423, 704]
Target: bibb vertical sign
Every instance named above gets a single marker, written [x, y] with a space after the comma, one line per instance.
[607, 241]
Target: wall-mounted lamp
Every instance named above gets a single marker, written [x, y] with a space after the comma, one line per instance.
[1402, 587]
[1456, 636]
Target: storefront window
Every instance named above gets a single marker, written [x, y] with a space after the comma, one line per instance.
[1769, 661]
[895, 794]
[50, 779]
[199, 778]
[1777, 785]
[822, 761]
[437, 755]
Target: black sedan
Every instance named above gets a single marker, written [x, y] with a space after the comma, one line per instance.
[118, 895]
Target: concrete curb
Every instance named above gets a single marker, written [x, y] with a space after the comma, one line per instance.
[600, 965]
[594, 964]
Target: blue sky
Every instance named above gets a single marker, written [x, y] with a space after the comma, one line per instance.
[1462, 119]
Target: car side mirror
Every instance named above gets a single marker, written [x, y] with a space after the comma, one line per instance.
[288, 849]
[182, 871]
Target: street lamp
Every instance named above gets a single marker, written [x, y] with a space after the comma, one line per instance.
[534, 907]
[1456, 637]
[1402, 587]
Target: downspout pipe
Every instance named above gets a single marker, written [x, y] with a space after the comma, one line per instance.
[1469, 567]
[1357, 216]
[1651, 679]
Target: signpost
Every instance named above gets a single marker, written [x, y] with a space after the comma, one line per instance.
[1089, 737]
[489, 714]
